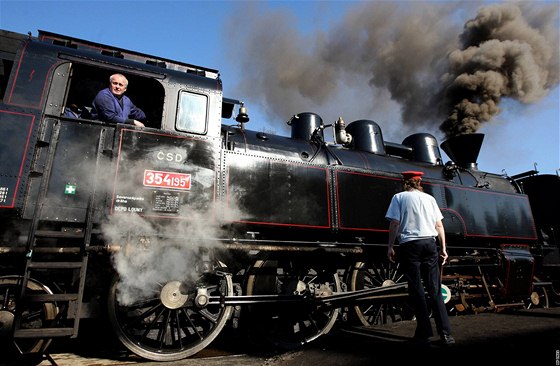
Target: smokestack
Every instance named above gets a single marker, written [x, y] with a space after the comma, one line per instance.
[464, 149]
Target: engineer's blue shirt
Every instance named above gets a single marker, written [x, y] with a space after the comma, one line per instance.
[106, 107]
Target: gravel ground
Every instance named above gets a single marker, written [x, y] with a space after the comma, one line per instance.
[523, 337]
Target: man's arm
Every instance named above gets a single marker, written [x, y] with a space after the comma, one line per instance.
[441, 237]
[393, 230]
[135, 114]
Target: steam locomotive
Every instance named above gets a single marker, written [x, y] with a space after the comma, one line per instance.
[193, 223]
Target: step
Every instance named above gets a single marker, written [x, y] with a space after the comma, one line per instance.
[58, 234]
[50, 297]
[55, 265]
[43, 332]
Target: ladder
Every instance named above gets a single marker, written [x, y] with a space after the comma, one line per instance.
[61, 253]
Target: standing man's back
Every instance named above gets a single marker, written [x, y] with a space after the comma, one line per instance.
[415, 222]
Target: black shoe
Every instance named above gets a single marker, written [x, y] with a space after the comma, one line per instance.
[447, 340]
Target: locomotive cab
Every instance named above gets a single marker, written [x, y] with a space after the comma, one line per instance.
[176, 98]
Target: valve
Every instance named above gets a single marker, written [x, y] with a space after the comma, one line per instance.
[342, 137]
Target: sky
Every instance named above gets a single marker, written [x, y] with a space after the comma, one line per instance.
[407, 65]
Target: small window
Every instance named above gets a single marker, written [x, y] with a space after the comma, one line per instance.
[191, 114]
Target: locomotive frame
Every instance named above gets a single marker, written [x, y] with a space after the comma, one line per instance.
[176, 230]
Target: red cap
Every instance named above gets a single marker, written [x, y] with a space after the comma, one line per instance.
[412, 174]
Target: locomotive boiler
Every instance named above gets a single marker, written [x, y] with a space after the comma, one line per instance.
[195, 223]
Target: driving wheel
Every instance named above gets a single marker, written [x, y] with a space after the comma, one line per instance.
[176, 321]
[290, 325]
[33, 316]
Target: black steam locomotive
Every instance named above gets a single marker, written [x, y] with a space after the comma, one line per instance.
[192, 223]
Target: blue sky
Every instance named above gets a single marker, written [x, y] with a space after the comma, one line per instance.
[239, 38]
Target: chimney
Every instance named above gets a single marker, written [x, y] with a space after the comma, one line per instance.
[464, 149]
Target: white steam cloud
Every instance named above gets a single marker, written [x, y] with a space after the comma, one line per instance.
[153, 251]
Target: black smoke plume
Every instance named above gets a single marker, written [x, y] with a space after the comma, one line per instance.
[502, 55]
[408, 65]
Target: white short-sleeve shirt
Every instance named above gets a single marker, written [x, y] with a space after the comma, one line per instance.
[417, 213]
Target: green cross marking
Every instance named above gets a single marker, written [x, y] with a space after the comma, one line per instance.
[70, 189]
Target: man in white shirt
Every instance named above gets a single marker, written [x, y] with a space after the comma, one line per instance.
[415, 221]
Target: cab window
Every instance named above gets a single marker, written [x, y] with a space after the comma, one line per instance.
[192, 112]
[86, 81]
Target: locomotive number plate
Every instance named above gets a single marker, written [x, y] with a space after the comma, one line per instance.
[153, 178]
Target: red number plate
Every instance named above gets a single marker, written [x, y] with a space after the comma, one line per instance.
[153, 178]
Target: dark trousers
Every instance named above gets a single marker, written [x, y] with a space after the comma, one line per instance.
[420, 260]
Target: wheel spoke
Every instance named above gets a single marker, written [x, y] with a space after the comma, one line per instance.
[178, 327]
[151, 326]
[373, 275]
[144, 315]
[6, 298]
[163, 332]
[193, 326]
